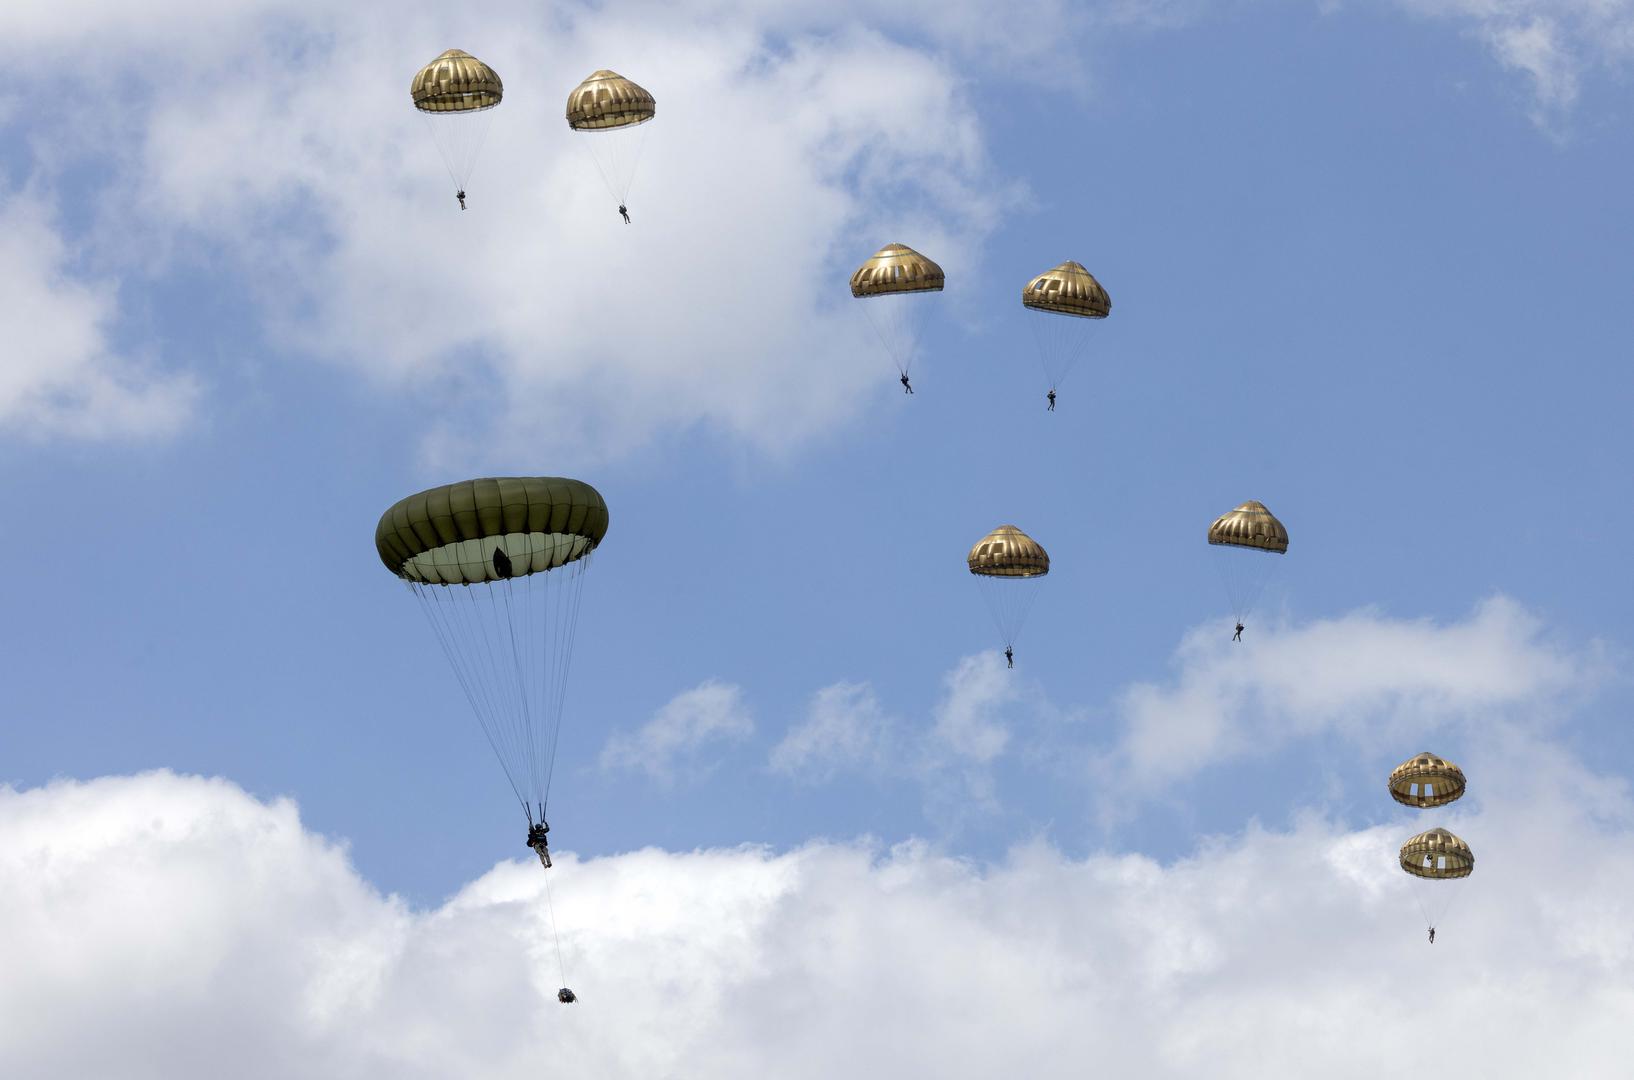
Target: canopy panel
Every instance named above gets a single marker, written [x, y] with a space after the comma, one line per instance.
[456, 82]
[1068, 289]
[1437, 855]
[608, 100]
[448, 535]
[1008, 552]
[896, 268]
[1426, 781]
[1251, 525]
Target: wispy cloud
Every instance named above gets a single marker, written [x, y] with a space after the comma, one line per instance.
[673, 743]
[60, 376]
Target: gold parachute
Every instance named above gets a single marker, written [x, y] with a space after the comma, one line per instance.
[1073, 299]
[894, 281]
[609, 108]
[1426, 781]
[1244, 536]
[456, 94]
[1437, 855]
[1007, 563]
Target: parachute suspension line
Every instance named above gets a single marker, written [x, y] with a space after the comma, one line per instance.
[1062, 341]
[1247, 572]
[430, 601]
[459, 139]
[464, 651]
[622, 158]
[529, 751]
[511, 734]
[555, 934]
[562, 654]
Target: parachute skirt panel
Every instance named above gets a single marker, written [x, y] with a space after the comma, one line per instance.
[498, 567]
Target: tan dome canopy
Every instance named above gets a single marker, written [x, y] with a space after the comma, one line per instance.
[896, 268]
[608, 100]
[456, 82]
[1425, 781]
[490, 528]
[1437, 855]
[1069, 289]
[1008, 552]
[1251, 525]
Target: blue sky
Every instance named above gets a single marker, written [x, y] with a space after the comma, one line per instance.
[1368, 264]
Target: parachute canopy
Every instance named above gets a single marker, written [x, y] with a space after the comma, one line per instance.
[1068, 289]
[1008, 563]
[1425, 781]
[896, 268]
[608, 100]
[1437, 855]
[1251, 525]
[456, 82]
[497, 565]
[449, 535]
[1008, 552]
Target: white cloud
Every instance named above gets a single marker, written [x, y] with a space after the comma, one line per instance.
[196, 932]
[1554, 43]
[59, 374]
[969, 720]
[787, 147]
[1376, 681]
[844, 728]
[673, 741]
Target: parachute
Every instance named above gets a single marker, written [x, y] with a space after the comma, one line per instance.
[497, 565]
[456, 94]
[1007, 564]
[1071, 300]
[895, 282]
[1426, 781]
[1434, 858]
[608, 108]
[1245, 536]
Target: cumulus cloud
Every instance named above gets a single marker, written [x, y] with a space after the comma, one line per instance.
[675, 739]
[537, 319]
[198, 932]
[1373, 680]
[61, 375]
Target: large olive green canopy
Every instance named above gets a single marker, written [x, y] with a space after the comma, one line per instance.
[1437, 855]
[449, 535]
[1425, 781]
[1068, 289]
[1251, 525]
[896, 268]
[456, 82]
[1008, 552]
[608, 100]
